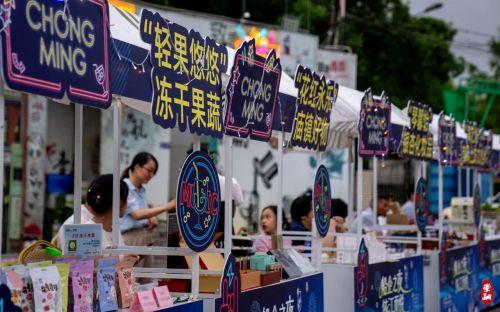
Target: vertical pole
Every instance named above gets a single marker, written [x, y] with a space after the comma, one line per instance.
[459, 175]
[279, 230]
[467, 183]
[116, 171]
[2, 131]
[374, 190]
[440, 201]
[195, 273]
[350, 202]
[228, 211]
[77, 188]
[359, 200]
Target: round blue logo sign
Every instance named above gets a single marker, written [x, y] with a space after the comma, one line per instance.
[322, 201]
[421, 204]
[198, 201]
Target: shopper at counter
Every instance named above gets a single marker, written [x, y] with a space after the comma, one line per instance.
[367, 214]
[302, 216]
[269, 225]
[139, 220]
[98, 209]
[409, 206]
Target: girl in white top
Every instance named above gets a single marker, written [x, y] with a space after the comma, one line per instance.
[99, 209]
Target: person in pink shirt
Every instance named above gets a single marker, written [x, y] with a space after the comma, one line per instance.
[268, 223]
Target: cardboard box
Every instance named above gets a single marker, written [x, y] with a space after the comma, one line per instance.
[271, 277]
[249, 279]
[209, 284]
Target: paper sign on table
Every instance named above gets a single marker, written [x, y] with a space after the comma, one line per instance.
[144, 302]
[163, 297]
[82, 239]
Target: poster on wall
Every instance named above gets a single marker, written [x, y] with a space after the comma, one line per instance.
[417, 139]
[314, 106]
[198, 201]
[339, 66]
[322, 203]
[489, 271]
[447, 140]
[394, 286]
[186, 76]
[459, 289]
[421, 204]
[36, 162]
[252, 93]
[373, 125]
[64, 52]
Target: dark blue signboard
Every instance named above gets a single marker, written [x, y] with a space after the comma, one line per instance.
[447, 140]
[373, 126]
[361, 278]
[284, 113]
[459, 288]
[417, 142]
[186, 76]
[198, 201]
[315, 100]
[230, 286]
[303, 294]
[394, 286]
[53, 48]
[421, 204]
[489, 267]
[252, 92]
[476, 205]
[322, 200]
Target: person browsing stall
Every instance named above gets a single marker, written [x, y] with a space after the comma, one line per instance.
[269, 225]
[139, 220]
[302, 217]
[99, 209]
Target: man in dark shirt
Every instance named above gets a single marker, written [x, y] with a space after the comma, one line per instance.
[302, 216]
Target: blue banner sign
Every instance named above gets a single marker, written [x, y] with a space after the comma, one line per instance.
[315, 100]
[252, 92]
[303, 294]
[417, 139]
[186, 76]
[394, 286]
[322, 202]
[373, 125]
[447, 140]
[198, 201]
[459, 288]
[489, 263]
[57, 48]
[421, 204]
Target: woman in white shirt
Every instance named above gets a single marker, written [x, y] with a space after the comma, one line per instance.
[99, 209]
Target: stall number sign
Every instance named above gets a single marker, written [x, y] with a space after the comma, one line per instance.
[53, 48]
[314, 105]
[477, 149]
[421, 204]
[373, 126]
[447, 140]
[417, 140]
[82, 239]
[198, 201]
[252, 93]
[322, 201]
[186, 76]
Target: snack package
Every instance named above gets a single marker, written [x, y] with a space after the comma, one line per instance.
[46, 288]
[63, 269]
[15, 284]
[106, 285]
[26, 301]
[69, 291]
[82, 279]
[126, 280]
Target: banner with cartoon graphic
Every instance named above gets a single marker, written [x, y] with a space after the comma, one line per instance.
[57, 48]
